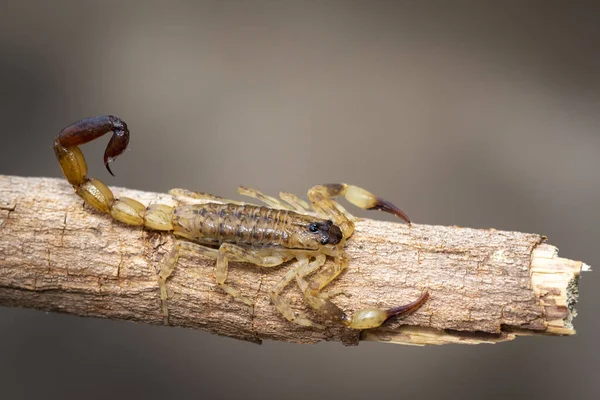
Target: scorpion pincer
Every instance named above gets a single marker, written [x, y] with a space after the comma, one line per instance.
[227, 230]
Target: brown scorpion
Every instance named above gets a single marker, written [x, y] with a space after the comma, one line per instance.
[226, 230]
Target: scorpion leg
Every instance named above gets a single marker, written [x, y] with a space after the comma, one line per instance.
[323, 278]
[322, 196]
[261, 257]
[198, 249]
[304, 208]
[169, 261]
[365, 318]
[268, 200]
[189, 197]
[303, 268]
[167, 265]
[297, 203]
[228, 251]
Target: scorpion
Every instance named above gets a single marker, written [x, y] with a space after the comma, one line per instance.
[227, 230]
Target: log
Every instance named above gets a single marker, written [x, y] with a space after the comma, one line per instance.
[486, 286]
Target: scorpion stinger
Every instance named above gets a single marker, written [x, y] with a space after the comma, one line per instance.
[85, 131]
[227, 230]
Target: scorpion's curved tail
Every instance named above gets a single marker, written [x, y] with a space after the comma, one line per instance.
[93, 191]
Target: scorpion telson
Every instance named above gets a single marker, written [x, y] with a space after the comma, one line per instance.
[87, 130]
[227, 230]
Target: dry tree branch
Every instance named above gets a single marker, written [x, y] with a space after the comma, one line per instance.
[485, 285]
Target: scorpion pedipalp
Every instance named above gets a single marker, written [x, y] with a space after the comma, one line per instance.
[384, 205]
[406, 309]
[322, 198]
[368, 318]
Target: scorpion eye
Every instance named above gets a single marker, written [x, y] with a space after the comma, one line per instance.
[325, 240]
[313, 227]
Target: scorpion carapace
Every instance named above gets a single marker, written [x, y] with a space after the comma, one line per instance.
[226, 230]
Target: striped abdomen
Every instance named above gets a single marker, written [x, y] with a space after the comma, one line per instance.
[214, 223]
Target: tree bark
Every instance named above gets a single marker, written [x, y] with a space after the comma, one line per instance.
[485, 286]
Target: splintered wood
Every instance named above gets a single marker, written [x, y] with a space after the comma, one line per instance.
[485, 286]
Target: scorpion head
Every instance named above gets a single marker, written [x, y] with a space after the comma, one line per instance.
[317, 235]
[328, 232]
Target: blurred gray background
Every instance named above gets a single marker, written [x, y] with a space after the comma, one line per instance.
[479, 114]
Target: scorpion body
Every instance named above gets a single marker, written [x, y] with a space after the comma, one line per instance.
[226, 230]
[250, 225]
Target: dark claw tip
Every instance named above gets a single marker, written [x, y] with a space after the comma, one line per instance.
[117, 144]
[386, 206]
[408, 308]
[107, 165]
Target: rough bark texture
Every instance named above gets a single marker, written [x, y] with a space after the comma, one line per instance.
[485, 285]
